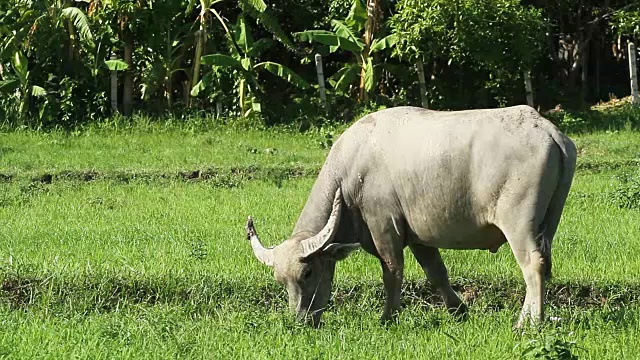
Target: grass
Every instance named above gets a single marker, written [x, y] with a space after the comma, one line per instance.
[34, 153]
[28, 154]
[162, 226]
[157, 266]
[169, 332]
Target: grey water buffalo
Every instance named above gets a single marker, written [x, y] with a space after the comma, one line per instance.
[429, 180]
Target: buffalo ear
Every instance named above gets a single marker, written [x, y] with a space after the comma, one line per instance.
[337, 252]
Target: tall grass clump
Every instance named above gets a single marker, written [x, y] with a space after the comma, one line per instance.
[626, 191]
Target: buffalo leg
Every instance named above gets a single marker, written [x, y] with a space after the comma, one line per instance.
[392, 262]
[388, 236]
[431, 262]
[388, 240]
[532, 263]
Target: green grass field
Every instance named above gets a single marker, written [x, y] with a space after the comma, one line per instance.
[131, 244]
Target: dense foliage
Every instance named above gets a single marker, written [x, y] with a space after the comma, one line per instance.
[66, 62]
[476, 51]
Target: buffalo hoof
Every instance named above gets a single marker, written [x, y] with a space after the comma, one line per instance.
[390, 319]
[460, 313]
[525, 325]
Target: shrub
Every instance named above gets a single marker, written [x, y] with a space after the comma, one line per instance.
[553, 345]
[626, 191]
[621, 115]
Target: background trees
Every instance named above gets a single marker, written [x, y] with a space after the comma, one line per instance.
[347, 36]
[475, 51]
[242, 62]
[63, 61]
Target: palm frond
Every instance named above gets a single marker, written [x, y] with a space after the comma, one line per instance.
[357, 15]
[257, 5]
[9, 86]
[331, 39]
[344, 77]
[386, 42]
[221, 60]
[38, 91]
[116, 65]
[369, 75]
[284, 72]
[259, 47]
[80, 21]
[344, 30]
[258, 10]
[242, 34]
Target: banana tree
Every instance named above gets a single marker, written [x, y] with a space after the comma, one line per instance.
[171, 63]
[53, 22]
[254, 8]
[344, 37]
[203, 19]
[245, 52]
[164, 58]
[370, 27]
[20, 83]
[127, 16]
[76, 23]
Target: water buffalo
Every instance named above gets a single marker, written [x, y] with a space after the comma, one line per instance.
[428, 180]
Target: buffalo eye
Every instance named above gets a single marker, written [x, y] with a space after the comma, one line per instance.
[306, 274]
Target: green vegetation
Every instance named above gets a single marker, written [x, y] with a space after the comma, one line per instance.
[31, 154]
[137, 135]
[490, 44]
[64, 63]
[133, 246]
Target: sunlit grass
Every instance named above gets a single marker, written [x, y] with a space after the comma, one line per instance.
[159, 268]
[32, 152]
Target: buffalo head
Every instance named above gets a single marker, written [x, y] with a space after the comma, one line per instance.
[305, 267]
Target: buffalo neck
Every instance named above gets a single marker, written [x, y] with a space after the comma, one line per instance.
[317, 209]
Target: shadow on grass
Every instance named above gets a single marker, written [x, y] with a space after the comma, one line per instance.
[218, 177]
[107, 294]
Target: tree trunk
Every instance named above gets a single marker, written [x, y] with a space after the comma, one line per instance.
[72, 36]
[201, 36]
[218, 109]
[373, 9]
[528, 88]
[168, 61]
[633, 73]
[584, 79]
[320, 73]
[423, 84]
[127, 93]
[242, 99]
[598, 54]
[24, 104]
[114, 87]
[186, 92]
[71, 50]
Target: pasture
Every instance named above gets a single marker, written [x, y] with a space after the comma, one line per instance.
[130, 244]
